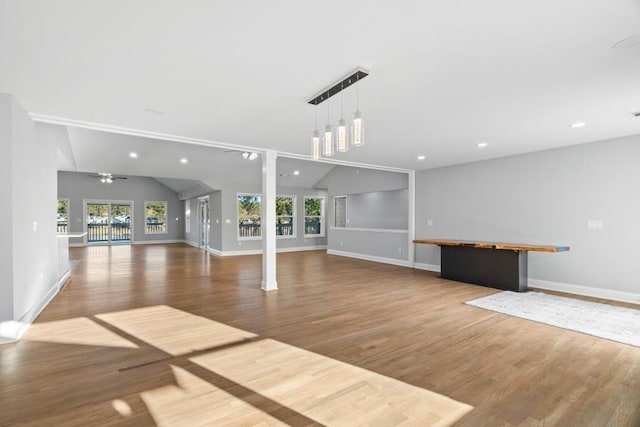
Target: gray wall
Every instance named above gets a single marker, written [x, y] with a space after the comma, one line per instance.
[215, 240]
[369, 193]
[80, 186]
[192, 236]
[30, 259]
[350, 180]
[6, 215]
[215, 229]
[545, 197]
[379, 209]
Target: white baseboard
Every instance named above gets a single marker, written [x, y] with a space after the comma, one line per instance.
[215, 252]
[12, 330]
[428, 267]
[157, 242]
[400, 262]
[585, 291]
[302, 248]
[259, 251]
[190, 243]
[236, 253]
[564, 287]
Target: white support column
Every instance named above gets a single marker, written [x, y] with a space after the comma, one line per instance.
[268, 220]
[411, 255]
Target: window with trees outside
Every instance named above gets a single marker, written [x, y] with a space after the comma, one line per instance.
[285, 216]
[155, 217]
[63, 215]
[249, 216]
[314, 216]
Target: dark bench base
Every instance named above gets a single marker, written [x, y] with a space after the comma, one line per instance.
[500, 269]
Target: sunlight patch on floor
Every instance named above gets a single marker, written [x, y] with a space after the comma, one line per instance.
[195, 401]
[174, 331]
[329, 391]
[78, 331]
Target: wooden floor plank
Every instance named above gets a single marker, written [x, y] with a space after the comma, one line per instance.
[404, 324]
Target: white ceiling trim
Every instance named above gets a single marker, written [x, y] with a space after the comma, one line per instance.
[42, 118]
[343, 163]
[138, 132]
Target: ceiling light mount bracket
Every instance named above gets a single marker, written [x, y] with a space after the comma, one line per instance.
[342, 84]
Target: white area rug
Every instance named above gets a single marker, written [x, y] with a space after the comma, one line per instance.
[600, 320]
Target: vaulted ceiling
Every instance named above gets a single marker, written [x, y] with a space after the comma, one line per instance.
[444, 75]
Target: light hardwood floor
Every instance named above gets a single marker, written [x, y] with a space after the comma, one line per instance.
[166, 334]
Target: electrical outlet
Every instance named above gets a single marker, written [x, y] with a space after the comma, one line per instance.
[399, 250]
[429, 222]
[341, 244]
[594, 224]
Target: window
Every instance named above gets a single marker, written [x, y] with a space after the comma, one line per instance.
[314, 217]
[249, 216]
[285, 216]
[187, 216]
[340, 210]
[63, 215]
[155, 217]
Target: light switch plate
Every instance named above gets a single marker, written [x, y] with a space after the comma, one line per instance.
[594, 224]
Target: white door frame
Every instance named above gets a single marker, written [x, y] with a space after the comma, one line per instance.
[201, 224]
[85, 202]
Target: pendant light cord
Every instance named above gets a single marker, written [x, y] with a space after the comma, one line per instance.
[342, 100]
[328, 111]
[358, 93]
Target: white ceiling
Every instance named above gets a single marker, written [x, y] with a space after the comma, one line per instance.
[96, 151]
[444, 75]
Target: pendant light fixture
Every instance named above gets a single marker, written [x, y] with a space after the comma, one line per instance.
[315, 140]
[338, 139]
[327, 145]
[342, 140]
[357, 129]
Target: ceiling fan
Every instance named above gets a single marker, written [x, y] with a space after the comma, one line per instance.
[107, 178]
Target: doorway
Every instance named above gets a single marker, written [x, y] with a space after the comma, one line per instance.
[204, 223]
[108, 222]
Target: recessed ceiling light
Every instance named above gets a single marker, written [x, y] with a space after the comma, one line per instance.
[481, 144]
[577, 125]
[422, 157]
[296, 172]
[133, 155]
[183, 160]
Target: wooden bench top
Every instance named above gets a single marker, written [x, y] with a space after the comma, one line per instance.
[493, 245]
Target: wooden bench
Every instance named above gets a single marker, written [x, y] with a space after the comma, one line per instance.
[493, 264]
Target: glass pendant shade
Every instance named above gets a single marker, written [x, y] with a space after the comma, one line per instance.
[342, 138]
[327, 146]
[315, 145]
[357, 130]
